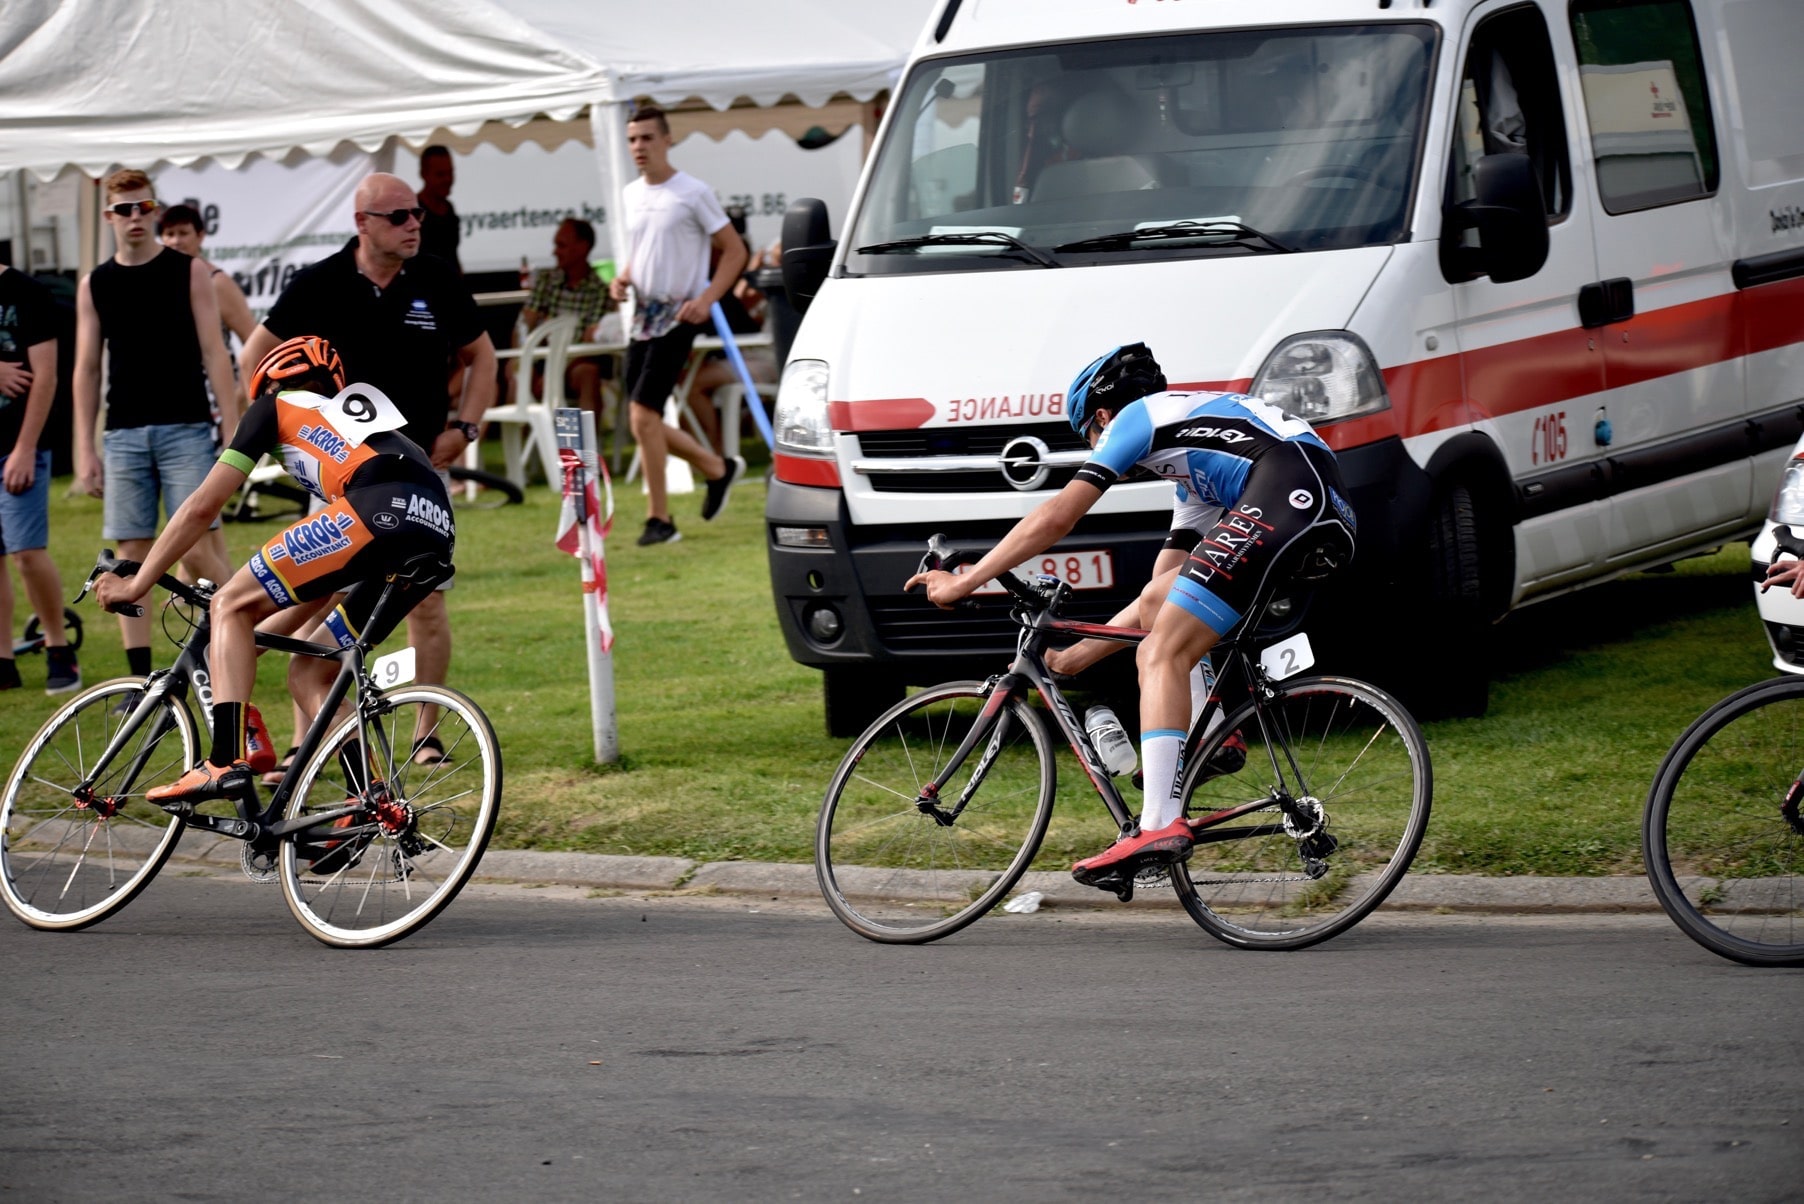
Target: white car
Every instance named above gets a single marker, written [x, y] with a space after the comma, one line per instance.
[1782, 613]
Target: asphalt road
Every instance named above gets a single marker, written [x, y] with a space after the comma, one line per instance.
[539, 1044]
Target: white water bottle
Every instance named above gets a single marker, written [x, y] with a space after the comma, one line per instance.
[1112, 743]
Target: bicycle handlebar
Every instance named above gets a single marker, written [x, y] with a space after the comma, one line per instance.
[943, 556]
[106, 563]
[1787, 540]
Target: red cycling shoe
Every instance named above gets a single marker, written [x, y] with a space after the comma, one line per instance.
[1131, 854]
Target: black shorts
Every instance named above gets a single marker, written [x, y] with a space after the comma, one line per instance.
[1292, 519]
[354, 545]
[653, 366]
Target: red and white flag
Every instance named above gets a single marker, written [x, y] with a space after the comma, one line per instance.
[583, 525]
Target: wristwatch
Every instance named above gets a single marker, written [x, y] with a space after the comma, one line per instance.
[469, 430]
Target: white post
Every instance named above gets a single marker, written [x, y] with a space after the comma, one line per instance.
[576, 432]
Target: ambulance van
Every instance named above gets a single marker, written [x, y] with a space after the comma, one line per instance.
[1533, 268]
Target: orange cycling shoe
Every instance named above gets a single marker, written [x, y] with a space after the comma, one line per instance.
[204, 781]
[1131, 854]
[259, 749]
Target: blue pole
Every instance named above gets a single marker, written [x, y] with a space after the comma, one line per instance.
[753, 400]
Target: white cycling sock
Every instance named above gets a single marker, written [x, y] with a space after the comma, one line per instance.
[1159, 750]
[1202, 684]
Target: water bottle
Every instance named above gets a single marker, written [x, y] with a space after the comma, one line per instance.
[1112, 743]
[525, 272]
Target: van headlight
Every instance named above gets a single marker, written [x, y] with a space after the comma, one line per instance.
[1322, 377]
[801, 422]
[1788, 503]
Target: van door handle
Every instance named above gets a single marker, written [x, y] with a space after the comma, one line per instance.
[1605, 301]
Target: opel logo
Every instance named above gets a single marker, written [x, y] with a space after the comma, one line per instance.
[1024, 463]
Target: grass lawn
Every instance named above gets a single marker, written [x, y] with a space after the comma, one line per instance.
[722, 751]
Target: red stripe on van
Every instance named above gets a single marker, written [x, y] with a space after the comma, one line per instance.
[1773, 314]
[880, 414]
[803, 470]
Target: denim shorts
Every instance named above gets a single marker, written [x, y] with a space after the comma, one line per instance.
[25, 517]
[143, 462]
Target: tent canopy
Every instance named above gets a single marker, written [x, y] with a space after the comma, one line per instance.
[101, 82]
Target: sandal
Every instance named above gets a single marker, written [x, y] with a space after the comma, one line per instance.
[428, 751]
[274, 777]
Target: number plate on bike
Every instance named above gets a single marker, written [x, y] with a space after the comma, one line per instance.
[395, 669]
[1287, 658]
[1079, 570]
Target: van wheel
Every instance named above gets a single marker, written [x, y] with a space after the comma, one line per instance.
[1460, 682]
[854, 695]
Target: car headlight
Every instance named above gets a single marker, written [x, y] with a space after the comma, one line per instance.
[1322, 377]
[801, 421]
[1788, 503]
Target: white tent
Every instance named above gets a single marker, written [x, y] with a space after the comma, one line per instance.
[98, 83]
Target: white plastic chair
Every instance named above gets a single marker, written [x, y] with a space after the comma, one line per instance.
[526, 423]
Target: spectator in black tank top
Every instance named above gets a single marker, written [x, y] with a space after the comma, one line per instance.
[154, 311]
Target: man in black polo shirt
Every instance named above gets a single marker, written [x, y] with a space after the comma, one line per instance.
[398, 319]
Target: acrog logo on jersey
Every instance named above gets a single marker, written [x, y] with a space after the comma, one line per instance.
[329, 441]
[318, 537]
[429, 513]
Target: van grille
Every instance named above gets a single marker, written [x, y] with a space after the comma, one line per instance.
[973, 441]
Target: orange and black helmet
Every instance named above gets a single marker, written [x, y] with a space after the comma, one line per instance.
[305, 362]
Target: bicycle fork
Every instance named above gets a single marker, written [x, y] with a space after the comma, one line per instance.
[993, 720]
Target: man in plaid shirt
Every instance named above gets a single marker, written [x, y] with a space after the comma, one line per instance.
[572, 287]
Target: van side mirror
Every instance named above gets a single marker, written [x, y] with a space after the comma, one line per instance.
[1508, 213]
[808, 248]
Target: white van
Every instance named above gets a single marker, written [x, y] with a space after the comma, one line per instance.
[1533, 268]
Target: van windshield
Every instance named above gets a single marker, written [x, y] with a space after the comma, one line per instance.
[1243, 142]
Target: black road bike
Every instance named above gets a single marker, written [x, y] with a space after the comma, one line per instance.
[1722, 835]
[367, 845]
[939, 808]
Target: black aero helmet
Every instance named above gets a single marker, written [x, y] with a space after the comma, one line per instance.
[1124, 375]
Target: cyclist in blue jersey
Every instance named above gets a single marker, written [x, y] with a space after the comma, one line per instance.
[1282, 501]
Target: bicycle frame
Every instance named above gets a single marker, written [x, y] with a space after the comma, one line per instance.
[252, 823]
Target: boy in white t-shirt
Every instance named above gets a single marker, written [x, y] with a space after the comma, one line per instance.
[673, 221]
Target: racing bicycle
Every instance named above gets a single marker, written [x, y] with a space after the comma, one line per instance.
[941, 805]
[1722, 834]
[368, 846]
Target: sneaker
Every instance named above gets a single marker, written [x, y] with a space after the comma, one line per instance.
[9, 674]
[1132, 854]
[204, 781]
[64, 674]
[720, 486]
[259, 749]
[128, 702]
[339, 855]
[1229, 758]
[280, 770]
[659, 531]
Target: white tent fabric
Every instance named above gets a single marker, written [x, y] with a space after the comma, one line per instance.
[101, 82]
[761, 50]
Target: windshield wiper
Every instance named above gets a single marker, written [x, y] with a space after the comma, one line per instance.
[1229, 234]
[975, 238]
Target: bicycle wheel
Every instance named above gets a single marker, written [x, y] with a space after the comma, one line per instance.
[898, 869]
[70, 858]
[1722, 836]
[494, 490]
[404, 857]
[1328, 811]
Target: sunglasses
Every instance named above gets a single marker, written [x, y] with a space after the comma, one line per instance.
[129, 208]
[398, 217]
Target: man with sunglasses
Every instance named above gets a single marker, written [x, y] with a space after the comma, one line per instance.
[154, 311]
[398, 318]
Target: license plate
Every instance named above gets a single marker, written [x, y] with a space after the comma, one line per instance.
[1079, 570]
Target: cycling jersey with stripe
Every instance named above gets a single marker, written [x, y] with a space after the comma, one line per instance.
[318, 455]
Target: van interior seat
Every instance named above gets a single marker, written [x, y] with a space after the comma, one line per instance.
[1096, 127]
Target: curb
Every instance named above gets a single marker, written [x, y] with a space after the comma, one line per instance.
[601, 871]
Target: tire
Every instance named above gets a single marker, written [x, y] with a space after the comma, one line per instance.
[853, 697]
[64, 866]
[499, 491]
[386, 875]
[1723, 858]
[33, 635]
[1363, 758]
[1459, 685]
[891, 871]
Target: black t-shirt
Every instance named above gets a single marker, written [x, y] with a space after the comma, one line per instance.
[27, 318]
[155, 375]
[400, 339]
[440, 234]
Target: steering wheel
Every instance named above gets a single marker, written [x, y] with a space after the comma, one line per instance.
[1333, 171]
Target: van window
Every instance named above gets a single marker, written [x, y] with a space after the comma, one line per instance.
[1509, 103]
[1308, 136]
[1646, 102]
